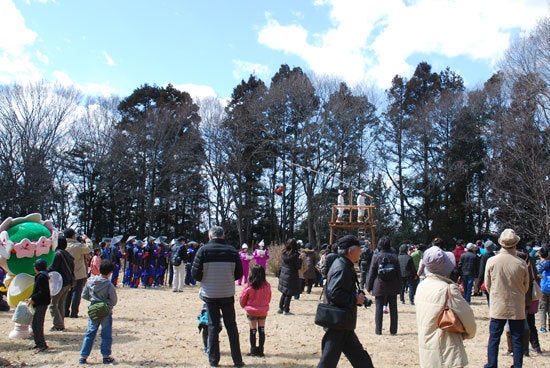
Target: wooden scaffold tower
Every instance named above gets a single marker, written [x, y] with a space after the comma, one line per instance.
[353, 219]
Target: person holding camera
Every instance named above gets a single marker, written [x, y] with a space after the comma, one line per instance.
[341, 291]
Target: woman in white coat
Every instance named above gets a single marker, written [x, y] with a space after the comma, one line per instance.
[440, 349]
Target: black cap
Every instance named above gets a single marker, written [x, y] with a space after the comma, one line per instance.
[347, 241]
[40, 264]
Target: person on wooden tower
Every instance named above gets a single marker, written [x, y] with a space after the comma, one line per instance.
[361, 203]
[340, 203]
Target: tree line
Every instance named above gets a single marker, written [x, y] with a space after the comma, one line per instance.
[439, 159]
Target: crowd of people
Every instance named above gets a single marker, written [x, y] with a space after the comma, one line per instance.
[427, 276]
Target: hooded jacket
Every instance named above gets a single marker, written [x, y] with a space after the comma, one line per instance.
[100, 289]
[41, 292]
[438, 348]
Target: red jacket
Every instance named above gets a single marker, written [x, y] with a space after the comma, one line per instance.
[256, 302]
[458, 252]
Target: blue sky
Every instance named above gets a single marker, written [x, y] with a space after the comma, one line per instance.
[207, 47]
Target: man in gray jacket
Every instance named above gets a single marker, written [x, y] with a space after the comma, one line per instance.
[217, 265]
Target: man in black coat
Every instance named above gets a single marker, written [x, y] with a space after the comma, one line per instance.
[63, 263]
[217, 265]
[341, 291]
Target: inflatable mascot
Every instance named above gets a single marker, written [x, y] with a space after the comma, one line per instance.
[22, 241]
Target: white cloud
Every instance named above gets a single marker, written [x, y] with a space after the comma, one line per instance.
[108, 59]
[372, 39]
[42, 57]
[243, 69]
[15, 64]
[91, 89]
[97, 89]
[196, 91]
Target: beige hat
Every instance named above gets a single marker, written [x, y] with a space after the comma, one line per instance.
[508, 238]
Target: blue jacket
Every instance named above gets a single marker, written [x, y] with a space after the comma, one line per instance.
[543, 268]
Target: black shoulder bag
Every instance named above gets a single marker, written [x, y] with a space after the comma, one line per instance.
[331, 316]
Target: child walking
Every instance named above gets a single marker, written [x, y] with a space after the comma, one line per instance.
[95, 262]
[255, 299]
[100, 289]
[40, 299]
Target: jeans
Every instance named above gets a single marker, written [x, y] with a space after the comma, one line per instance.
[336, 342]
[189, 279]
[57, 307]
[216, 308]
[381, 301]
[410, 283]
[73, 299]
[38, 325]
[468, 286]
[496, 327]
[106, 336]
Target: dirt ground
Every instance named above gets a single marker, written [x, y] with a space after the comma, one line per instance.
[158, 328]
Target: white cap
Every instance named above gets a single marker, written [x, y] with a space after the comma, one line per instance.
[244, 246]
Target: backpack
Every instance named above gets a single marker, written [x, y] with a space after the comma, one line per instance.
[386, 270]
[176, 256]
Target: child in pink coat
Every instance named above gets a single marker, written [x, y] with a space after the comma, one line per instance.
[255, 299]
[95, 262]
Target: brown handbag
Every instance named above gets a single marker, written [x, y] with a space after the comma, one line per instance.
[447, 320]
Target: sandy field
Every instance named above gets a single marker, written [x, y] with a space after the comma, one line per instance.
[158, 328]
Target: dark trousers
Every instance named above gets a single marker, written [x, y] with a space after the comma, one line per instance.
[381, 301]
[364, 277]
[72, 304]
[409, 283]
[336, 342]
[309, 283]
[38, 325]
[284, 302]
[533, 334]
[216, 308]
[496, 327]
[189, 279]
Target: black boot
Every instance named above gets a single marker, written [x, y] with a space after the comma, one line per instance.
[261, 341]
[252, 342]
